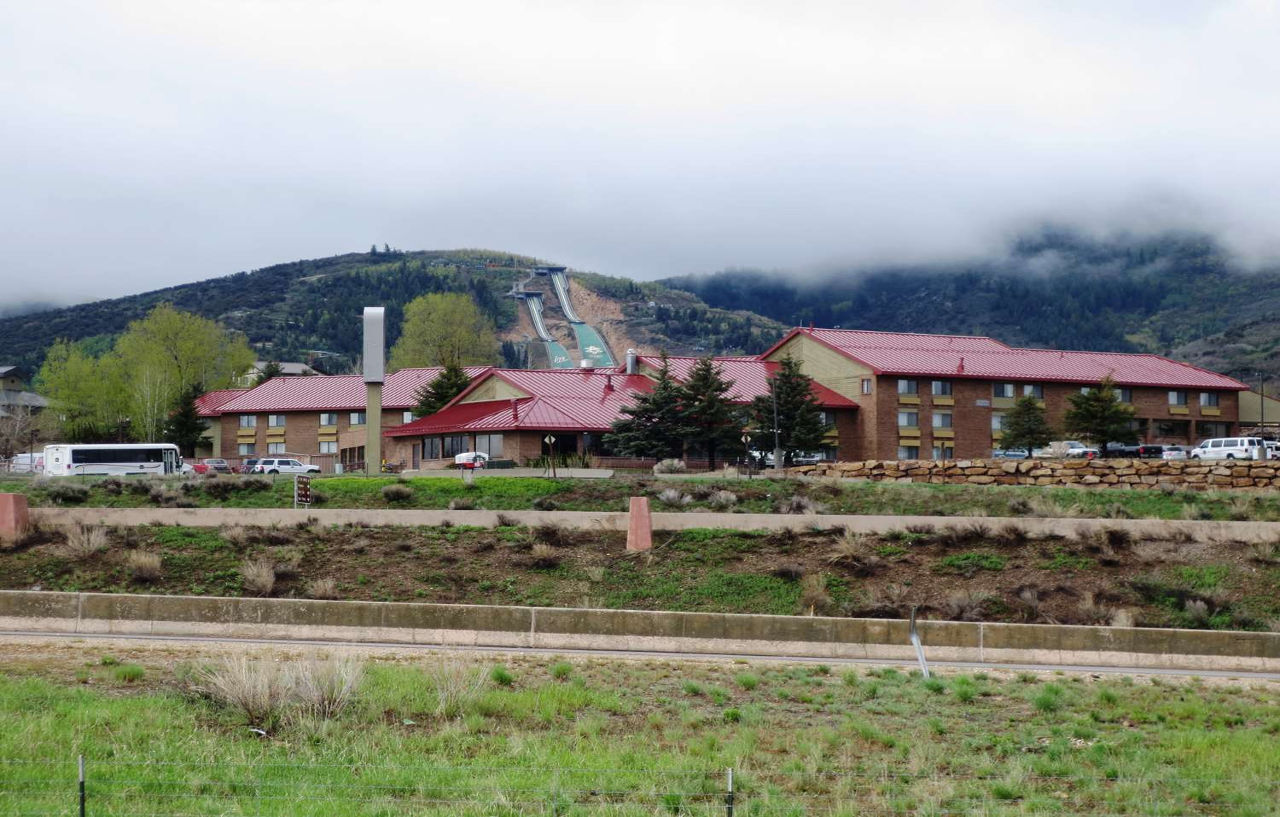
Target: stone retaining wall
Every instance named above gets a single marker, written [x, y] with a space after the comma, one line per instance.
[1105, 473]
[446, 625]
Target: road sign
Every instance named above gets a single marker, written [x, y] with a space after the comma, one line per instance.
[301, 490]
[746, 438]
[549, 440]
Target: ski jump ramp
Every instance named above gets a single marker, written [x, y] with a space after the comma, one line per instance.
[591, 345]
[556, 353]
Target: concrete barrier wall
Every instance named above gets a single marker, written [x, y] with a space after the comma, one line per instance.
[616, 521]
[721, 633]
[1102, 473]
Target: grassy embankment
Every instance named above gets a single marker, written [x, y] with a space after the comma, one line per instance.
[754, 496]
[992, 572]
[547, 736]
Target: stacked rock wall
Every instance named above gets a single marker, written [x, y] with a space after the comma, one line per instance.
[1106, 473]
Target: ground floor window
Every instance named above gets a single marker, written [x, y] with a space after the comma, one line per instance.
[275, 448]
[431, 448]
[455, 444]
[908, 452]
[350, 456]
[244, 449]
[1204, 429]
[944, 452]
[1177, 429]
[490, 444]
[329, 447]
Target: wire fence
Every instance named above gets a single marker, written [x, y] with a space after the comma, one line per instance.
[78, 787]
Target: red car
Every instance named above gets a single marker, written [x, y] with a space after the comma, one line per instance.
[212, 465]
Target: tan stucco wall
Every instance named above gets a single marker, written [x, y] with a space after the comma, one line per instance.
[825, 365]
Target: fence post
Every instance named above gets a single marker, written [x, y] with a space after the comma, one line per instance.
[81, 785]
[728, 796]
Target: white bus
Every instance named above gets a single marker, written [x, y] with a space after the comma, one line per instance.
[108, 458]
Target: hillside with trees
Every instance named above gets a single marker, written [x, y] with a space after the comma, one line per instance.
[310, 310]
[1180, 295]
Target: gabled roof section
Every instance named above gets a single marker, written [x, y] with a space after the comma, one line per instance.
[954, 356]
[334, 392]
[750, 376]
[570, 400]
[210, 404]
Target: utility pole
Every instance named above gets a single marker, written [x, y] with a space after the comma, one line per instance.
[778, 455]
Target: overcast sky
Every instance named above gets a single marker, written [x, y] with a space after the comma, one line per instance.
[145, 144]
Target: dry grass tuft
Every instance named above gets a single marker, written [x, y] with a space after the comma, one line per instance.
[456, 684]
[143, 566]
[814, 598]
[83, 542]
[854, 552]
[323, 688]
[258, 576]
[259, 690]
[322, 589]
[544, 556]
[965, 605]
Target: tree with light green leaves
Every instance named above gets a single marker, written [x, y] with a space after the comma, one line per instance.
[444, 329]
[86, 393]
[169, 353]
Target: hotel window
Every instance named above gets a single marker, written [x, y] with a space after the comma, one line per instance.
[1086, 389]
[1033, 390]
[908, 387]
[245, 449]
[357, 418]
[1124, 395]
[908, 419]
[275, 448]
[431, 448]
[908, 452]
[490, 444]
[866, 385]
[1177, 398]
[826, 418]
[328, 418]
[455, 444]
[942, 419]
[944, 452]
[248, 421]
[406, 417]
[942, 388]
[275, 421]
[1208, 399]
[997, 422]
[1003, 390]
[329, 447]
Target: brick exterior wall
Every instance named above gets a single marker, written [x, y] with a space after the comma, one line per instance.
[301, 432]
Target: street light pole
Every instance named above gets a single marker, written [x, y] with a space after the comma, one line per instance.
[777, 443]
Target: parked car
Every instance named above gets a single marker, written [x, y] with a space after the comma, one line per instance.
[1010, 454]
[806, 458]
[1229, 448]
[1079, 451]
[471, 459]
[1145, 451]
[1273, 450]
[212, 464]
[272, 465]
[1174, 452]
[246, 467]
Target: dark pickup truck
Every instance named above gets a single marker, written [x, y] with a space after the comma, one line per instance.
[1142, 451]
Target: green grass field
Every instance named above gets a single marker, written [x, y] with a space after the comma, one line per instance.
[755, 496]
[584, 737]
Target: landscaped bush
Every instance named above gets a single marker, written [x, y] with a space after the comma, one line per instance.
[670, 467]
[462, 503]
[543, 503]
[67, 493]
[397, 492]
[674, 497]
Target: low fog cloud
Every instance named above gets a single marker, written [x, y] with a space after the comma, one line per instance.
[152, 143]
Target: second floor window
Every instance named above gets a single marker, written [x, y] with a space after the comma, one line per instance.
[942, 419]
[908, 387]
[942, 388]
[1209, 399]
[248, 421]
[1003, 390]
[328, 418]
[908, 419]
[357, 418]
[1177, 398]
[866, 385]
[275, 420]
[1033, 390]
[997, 422]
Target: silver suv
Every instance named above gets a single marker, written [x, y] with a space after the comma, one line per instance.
[272, 465]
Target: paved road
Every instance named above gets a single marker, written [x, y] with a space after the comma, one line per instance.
[29, 637]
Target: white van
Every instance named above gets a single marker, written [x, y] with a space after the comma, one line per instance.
[1229, 448]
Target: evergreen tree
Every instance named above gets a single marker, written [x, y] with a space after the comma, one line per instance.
[435, 395]
[1099, 417]
[651, 426]
[184, 428]
[1025, 425]
[800, 425]
[711, 422]
[272, 369]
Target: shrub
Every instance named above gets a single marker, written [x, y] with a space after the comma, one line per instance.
[554, 535]
[396, 492]
[561, 670]
[288, 560]
[543, 503]
[966, 606]
[235, 536]
[544, 557]
[691, 688]
[112, 486]
[854, 552]
[747, 681]
[790, 572]
[501, 676]
[1197, 612]
[251, 485]
[83, 542]
[814, 597]
[324, 688]
[798, 504]
[139, 487]
[322, 589]
[723, 499]
[67, 493]
[1092, 611]
[505, 521]
[674, 496]
[143, 566]
[462, 503]
[732, 715]
[258, 690]
[670, 467]
[935, 685]
[258, 576]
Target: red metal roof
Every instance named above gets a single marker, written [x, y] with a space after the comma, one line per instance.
[954, 356]
[560, 400]
[750, 376]
[210, 403]
[334, 392]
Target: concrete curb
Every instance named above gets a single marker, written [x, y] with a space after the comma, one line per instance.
[553, 628]
[618, 521]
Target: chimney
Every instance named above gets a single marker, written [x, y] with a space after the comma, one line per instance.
[632, 361]
[608, 382]
[515, 410]
[586, 364]
[960, 368]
